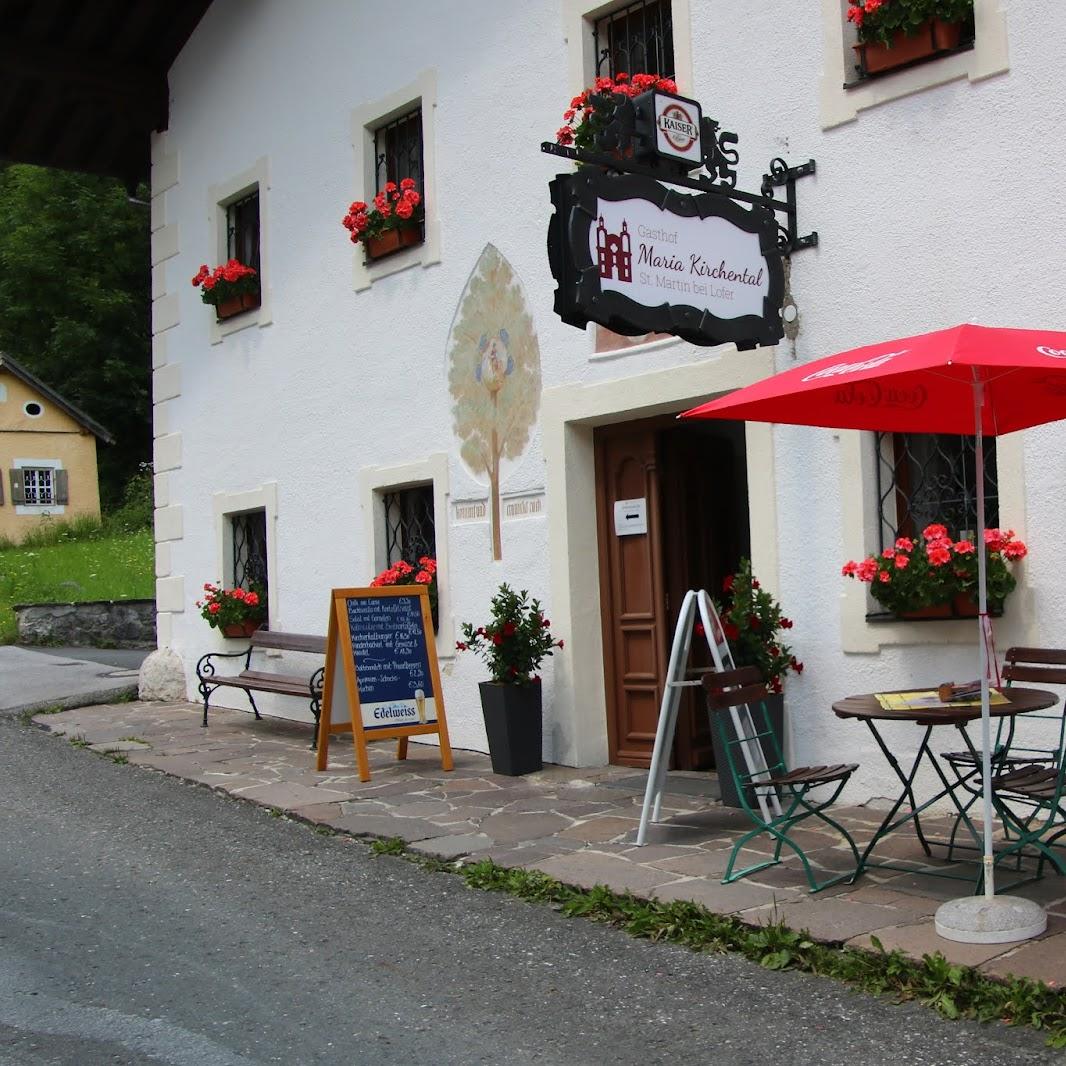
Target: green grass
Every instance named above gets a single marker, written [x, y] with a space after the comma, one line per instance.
[116, 567]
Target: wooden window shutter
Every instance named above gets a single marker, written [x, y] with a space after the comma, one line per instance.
[62, 486]
[1, 492]
[18, 488]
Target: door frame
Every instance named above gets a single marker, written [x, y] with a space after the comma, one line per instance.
[576, 719]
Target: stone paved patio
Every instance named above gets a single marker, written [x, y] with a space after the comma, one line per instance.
[578, 825]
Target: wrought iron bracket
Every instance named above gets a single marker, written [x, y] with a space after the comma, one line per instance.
[782, 174]
[788, 239]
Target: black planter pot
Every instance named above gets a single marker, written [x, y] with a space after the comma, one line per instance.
[775, 704]
[514, 726]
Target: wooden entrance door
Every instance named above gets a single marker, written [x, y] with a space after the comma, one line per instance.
[631, 592]
[694, 484]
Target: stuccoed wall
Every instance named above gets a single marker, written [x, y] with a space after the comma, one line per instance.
[932, 209]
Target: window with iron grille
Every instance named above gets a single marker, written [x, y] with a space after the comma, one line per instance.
[38, 486]
[249, 531]
[410, 530]
[242, 230]
[924, 478]
[398, 151]
[634, 39]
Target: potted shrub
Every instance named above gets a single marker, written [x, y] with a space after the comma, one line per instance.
[405, 573]
[236, 612]
[590, 112]
[394, 222]
[230, 288]
[514, 643]
[936, 576]
[752, 621]
[893, 33]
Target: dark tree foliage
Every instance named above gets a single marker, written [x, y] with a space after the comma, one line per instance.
[75, 302]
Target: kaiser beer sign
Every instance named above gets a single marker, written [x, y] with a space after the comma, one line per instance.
[639, 257]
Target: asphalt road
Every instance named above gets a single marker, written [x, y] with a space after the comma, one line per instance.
[147, 921]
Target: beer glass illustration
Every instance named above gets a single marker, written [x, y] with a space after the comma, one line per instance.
[420, 703]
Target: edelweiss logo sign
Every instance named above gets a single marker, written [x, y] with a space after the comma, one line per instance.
[1054, 353]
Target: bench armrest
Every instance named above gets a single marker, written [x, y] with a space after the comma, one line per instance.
[205, 667]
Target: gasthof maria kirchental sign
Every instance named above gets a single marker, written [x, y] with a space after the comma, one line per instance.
[639, 257]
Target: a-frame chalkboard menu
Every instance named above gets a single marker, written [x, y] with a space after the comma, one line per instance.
[382, 681]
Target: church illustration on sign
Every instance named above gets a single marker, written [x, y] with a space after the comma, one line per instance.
[613, 252]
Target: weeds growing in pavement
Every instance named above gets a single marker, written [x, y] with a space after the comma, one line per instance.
[954, 991]
[78, 741]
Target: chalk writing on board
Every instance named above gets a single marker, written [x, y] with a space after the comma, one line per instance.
[391, 661]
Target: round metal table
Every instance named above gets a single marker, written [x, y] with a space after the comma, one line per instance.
[867, 708]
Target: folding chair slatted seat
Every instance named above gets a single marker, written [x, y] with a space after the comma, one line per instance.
[1044, 666]
[1013, 761]
[743, 688]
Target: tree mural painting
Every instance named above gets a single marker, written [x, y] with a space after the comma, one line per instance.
[493, 374]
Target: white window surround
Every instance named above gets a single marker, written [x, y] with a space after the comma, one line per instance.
[568, 416]
[578, 16]
[33, 508]
[989, 56]
[256, 177]
[861, 537]
[224, 506]
[374, 481]
[369, 117]
[32, 414]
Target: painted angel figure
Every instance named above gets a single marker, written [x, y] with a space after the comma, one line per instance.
[496, 362]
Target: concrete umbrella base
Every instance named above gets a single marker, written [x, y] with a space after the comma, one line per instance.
[990, 920]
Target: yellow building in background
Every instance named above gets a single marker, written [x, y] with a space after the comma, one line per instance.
[47, 454]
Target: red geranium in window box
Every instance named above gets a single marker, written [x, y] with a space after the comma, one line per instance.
[394, 222]
[231, 288]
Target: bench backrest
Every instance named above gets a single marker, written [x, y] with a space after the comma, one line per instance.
[265, 638]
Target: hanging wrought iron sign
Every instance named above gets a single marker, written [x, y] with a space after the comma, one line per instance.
[639, 257]
[632, 252]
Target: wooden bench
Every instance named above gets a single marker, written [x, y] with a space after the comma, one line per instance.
[309, 687]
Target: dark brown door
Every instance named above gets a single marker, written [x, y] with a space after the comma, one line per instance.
[631, 592]
[701, 542]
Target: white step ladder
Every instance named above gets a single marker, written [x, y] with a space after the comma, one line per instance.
[697, 601]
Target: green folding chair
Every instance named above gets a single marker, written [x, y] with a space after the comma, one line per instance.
[1019, 743]
[745, 691]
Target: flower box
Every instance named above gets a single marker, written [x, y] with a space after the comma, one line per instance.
[391, 241]
[236, 305]
[933, 38]
[240, 629]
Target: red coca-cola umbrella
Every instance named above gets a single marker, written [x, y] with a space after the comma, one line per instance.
[969, 379]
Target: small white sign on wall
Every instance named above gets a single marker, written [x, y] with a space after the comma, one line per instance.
[630, 517]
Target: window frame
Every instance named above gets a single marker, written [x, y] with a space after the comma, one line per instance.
[374, 483]
[220, 197]
[225, 505]
[841, 98]
[36, 472]
[55, 465]
[366, 121]
[615, 14]
[860, 536]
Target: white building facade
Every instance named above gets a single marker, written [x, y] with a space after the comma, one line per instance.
[294, 440]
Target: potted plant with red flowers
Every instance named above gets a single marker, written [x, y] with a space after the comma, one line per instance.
[753, 621]
[236, 612]
[231, 288]
[894, 33]
[393, 223]
[935, 576]
[424, 572]
[590, 111]
[513, 643]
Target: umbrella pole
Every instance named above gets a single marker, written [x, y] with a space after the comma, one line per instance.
[982, 621]
[987, 919]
